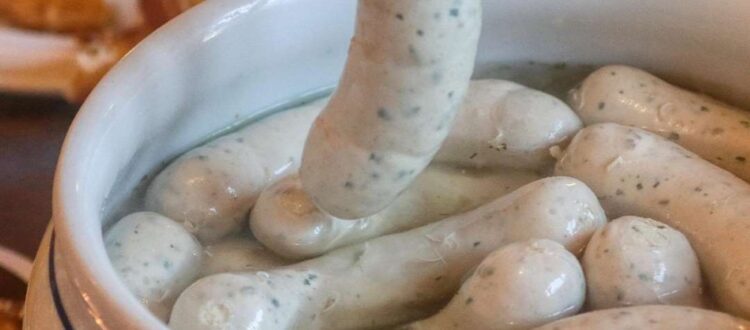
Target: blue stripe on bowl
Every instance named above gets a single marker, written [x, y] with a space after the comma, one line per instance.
[56, 299]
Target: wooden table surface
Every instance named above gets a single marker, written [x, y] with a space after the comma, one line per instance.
[31, 133]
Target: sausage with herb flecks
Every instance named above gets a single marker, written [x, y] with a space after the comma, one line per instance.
[717, 132]
[519, 286]
[285, 220]
[155, 257]
[211, 188]
[502, 123]
[406, 75]
[651, 317]
[640, 261]
[635, 172]
[391, 279]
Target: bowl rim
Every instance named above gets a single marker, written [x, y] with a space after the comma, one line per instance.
[107, 300]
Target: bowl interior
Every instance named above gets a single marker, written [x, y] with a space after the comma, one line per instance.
[227, 60]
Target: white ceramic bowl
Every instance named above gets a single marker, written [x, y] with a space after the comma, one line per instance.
[228, 59]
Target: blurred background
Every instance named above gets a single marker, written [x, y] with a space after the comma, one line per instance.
[52, 53]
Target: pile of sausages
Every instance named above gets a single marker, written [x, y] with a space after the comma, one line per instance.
[416, 198]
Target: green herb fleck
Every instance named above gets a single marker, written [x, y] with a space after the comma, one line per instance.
[413, 111]
[437, 77]
[404, 173]
[485, 272]
[383, 114]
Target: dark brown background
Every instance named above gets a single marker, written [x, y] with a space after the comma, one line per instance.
[32, 129]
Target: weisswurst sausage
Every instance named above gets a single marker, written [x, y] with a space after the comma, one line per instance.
[519, 286]
[155, 257]
[655, 317]
[285, 219]
[407, 71]
[211, 188]
[629, 96]
[640, 261]
[635, 172]
[502, 123]
[391, 279]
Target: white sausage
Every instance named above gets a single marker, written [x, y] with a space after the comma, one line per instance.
[391, 279]
[519, 286]
[228, 301]
[502, 123]
[211, 188]
[285, 219]
[656, 317]
[624, 95]
[635, 172]
[239, 254]
[406, 75]
[639, 261]
[155, 257]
